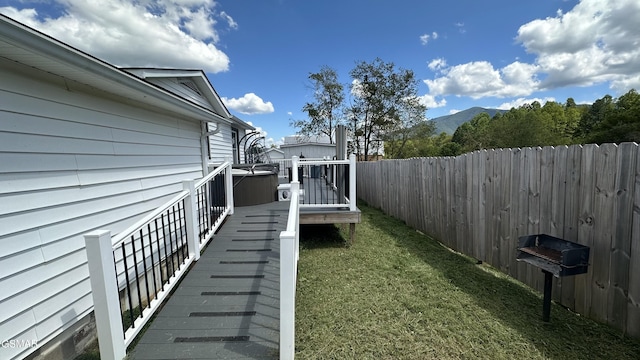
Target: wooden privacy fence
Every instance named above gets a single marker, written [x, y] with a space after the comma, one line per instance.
[480, 203]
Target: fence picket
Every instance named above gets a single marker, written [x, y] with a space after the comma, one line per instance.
[621, 241]
[603, 228]
[633, 303]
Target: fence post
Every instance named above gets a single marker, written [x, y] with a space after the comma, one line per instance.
[294, 168]
[228, 183]
[104, 290]
[190, 214]
[352, 182]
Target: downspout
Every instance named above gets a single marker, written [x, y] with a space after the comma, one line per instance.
[204, 144]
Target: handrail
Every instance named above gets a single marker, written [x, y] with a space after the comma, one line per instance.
[212, 174]
[289, 255]
[123, 235]
[322, 162]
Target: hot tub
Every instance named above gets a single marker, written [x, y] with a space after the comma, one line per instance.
[254, 185]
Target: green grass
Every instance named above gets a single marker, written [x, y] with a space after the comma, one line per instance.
[397, 294]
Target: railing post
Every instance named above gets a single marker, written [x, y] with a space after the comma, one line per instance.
[295, 187]
[352, 182]
[287, 295]
[294, 168]
[191, 214]
[228, 183]
[104, 290]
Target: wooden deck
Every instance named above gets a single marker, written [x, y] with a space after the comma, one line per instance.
[228, 305]
[316, 191]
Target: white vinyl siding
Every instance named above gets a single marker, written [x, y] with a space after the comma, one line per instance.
[220, 145]
[310, 151]
[175, 86]
[73, 160]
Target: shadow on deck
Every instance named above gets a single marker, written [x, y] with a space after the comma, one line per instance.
[228, 305]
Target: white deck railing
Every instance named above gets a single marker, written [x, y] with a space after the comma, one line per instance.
[151, 256]
[326, 183]
[289, 255]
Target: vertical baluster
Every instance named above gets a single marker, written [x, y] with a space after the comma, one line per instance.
[168, 225]
[126, 277]
[173, 254]
[144, 267]
[223, 193]
[135, 267]
[160, 255]
[177, 227]
[153, 266]
[214, 193]
[202, 211]
[168, 256]
[184, 243]
[199, 215]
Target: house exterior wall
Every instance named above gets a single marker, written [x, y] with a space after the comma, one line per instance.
[220, 145]
[275, 155]
[73, 160]
[176, 87]
[311, 151]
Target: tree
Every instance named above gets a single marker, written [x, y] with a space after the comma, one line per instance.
[385, 106]
[620, 122]
[473, 135]
[593, 117]
[411, 141]
[326, 112]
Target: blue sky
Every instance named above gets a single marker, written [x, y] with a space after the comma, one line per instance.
[259, 53]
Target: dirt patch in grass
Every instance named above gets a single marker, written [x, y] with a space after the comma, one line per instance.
[397, 294]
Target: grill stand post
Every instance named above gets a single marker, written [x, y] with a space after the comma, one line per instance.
[546, 302]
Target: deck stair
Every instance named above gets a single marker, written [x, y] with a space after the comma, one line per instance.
[228, 305]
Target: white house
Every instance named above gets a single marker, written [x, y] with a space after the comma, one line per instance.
[312, 148]
[195, 86]
[275, 154]
[84, 145]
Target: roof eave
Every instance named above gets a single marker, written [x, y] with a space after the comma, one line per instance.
[52, 51]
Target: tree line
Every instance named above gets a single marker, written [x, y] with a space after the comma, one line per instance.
[385, 114]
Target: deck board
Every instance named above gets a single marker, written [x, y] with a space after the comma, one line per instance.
[210, 317]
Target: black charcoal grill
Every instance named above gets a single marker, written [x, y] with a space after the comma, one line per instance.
[556, 257]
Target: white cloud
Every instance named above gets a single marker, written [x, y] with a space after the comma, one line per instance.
[229, 20]
[424, 39]
[289, 113]
[437, 64]
[460, 26]
[454, 111]
[431, 102]
[249, 104]
[157, 33]
[480, 79]
[521, 101]
[595, 42]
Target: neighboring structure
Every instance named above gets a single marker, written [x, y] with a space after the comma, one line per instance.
[275, 154]
[83, 146]
[311, 148]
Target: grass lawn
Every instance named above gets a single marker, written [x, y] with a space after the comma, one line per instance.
[397, 294]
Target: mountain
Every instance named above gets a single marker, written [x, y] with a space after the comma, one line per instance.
[449, 123]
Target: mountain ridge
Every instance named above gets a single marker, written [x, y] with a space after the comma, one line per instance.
[449, 123]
